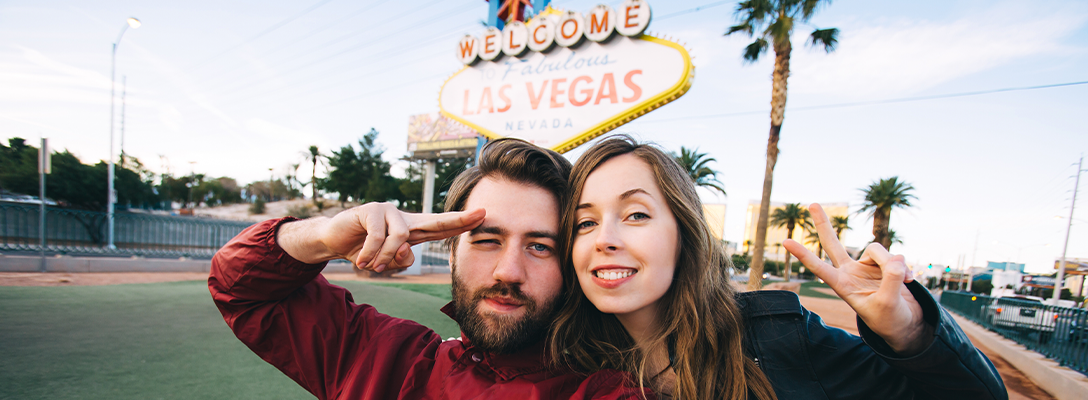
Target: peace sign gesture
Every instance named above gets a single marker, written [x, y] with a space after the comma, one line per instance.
[873, 286]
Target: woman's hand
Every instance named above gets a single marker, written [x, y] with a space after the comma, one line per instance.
[373, 236]
[873, 286]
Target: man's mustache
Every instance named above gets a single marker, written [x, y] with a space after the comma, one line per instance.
[509, 290]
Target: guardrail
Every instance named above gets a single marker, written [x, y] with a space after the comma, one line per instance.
[1059, 333]
[84, 232]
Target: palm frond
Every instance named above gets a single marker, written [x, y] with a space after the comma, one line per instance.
[754, 50]
[745, 27]
[780, 29]
[828, 38]
[809, 7]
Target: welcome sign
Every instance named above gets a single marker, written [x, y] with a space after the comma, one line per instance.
[575, 89]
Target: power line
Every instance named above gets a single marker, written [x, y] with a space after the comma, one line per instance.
[691, 10]
[373, 92]
[262, 33]
[875, 102]
[359, 46]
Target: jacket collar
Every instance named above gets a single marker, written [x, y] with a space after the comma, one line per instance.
[529, 360]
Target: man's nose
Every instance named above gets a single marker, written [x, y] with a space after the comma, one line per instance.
[511, 266]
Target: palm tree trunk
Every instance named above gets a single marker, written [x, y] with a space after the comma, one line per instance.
[778, 113]
[313, 180]
[789, 268]
[881, 218]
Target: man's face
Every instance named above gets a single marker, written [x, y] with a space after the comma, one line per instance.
[506, 274]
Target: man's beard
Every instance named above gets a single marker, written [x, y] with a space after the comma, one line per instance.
[504, 334]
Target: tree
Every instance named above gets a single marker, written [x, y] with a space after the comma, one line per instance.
[791, 216]
[813, 238]
[774, 21]
[893, 239]
[840, 223]
[314, 156]
[351, 172]
[695, 164]
[880, 198]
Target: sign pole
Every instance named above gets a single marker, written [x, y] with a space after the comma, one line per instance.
[428, 185]
[1068, 227]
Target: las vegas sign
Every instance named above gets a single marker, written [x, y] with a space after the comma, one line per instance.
[564, 78]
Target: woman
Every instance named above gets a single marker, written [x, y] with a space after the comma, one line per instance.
[649, 296]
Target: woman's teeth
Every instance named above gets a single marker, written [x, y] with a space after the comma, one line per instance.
[613, 275]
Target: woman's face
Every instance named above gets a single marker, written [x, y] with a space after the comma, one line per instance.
[626, 241]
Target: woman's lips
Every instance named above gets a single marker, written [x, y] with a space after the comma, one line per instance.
[612, 277]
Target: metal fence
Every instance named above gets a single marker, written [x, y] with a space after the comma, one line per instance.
[1060, 333]
[85, 232]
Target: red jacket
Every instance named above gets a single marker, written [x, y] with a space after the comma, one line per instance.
[294, 319]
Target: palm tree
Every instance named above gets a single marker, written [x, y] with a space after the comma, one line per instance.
[695, 164]
[790, 217]
[881, 197]
[893, 238]
[813, 238]
[840, 223]
[774, 21]
[314, 157]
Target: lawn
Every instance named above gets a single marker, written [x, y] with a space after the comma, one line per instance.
[155, 341]
[807, 290]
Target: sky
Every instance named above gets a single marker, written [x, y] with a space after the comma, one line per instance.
[236, 88]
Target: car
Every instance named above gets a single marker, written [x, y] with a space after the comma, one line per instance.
[1021, 313]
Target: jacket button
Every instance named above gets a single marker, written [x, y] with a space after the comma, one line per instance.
[476, 357]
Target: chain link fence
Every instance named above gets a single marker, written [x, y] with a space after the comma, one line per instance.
[1059, 333]
[79, 232]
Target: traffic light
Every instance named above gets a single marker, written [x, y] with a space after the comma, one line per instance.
[947, 269]
[930, 266]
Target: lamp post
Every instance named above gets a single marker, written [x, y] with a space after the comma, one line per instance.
[111, 195]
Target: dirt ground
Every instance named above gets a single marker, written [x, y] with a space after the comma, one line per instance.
[833, 311]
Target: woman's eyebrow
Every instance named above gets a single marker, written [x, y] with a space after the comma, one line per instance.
[632, 192]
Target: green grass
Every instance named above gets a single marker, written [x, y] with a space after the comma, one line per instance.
[439, 290]
[807, 290]
[155, 341]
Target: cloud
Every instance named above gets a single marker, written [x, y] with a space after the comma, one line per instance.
[905, 56]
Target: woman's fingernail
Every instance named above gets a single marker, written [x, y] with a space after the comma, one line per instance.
[380, 268]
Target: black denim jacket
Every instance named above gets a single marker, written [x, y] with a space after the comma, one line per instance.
[805, 359]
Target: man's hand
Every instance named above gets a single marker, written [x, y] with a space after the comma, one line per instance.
[373, 236]
[873, 286]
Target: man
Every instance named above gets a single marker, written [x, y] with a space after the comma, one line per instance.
[506, 282]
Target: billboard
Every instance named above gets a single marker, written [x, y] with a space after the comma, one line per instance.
[433, 135]
[564, 78]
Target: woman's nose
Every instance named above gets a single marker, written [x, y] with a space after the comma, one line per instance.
[608, 238]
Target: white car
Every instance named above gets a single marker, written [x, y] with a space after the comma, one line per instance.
[1020, 312]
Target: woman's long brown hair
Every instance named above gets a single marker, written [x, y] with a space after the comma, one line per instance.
[700, 318]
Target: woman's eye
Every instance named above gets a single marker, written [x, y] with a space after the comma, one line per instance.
[586, 224]
[539, 247]
[639, 216]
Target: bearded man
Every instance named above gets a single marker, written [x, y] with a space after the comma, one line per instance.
[507, 278]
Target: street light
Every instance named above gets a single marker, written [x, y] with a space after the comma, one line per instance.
[111, 195]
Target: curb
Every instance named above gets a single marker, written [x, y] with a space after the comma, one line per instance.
[1061, 382]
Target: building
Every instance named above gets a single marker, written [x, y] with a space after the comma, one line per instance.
[1004, 266]
[714, 214]
[775, 236]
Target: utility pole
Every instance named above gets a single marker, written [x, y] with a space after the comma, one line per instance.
[124, 89]
[44, 167]
[1068, 227]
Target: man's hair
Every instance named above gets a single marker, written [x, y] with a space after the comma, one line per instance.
[515, 160]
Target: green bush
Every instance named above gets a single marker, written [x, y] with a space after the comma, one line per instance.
[257, 207]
